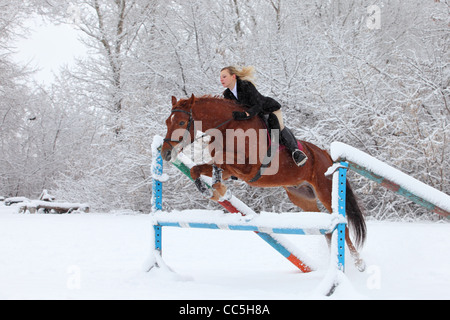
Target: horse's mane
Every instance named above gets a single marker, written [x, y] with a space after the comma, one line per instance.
[214, 99]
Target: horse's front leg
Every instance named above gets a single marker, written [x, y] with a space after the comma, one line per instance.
[218, 188]
[196, 172]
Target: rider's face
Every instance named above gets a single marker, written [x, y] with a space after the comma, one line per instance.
[227, 80]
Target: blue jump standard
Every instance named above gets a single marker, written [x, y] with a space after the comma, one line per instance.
[298, 231]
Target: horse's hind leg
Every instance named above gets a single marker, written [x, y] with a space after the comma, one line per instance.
[305, 199]
[359, 263]
[303, 196]
[324, 195]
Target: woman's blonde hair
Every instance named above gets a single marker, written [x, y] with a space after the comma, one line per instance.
[246, 73]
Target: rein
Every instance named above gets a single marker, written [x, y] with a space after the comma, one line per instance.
[222, 124]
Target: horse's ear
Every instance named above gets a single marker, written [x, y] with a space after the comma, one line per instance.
[174, 101]
[191, 100]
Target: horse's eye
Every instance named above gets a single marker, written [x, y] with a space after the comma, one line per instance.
[182, 123]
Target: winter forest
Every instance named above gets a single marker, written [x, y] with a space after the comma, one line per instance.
[372, 74]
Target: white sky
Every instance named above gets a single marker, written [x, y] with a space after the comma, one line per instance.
[49, 47]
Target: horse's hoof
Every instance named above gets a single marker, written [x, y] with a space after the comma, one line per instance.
[203, 188]
[208, 194]
[360, 265]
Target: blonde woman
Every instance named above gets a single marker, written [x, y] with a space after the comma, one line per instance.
[240, 87]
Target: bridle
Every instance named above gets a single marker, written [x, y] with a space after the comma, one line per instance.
[186, 132]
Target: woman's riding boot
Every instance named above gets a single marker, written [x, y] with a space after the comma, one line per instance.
[289, 141]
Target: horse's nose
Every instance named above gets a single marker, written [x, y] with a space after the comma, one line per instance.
[167, 155]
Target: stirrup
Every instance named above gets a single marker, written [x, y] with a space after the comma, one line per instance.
[299, 157]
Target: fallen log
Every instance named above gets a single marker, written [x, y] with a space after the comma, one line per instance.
[57, 207]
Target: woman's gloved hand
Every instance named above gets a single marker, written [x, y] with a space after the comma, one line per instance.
[237, 115]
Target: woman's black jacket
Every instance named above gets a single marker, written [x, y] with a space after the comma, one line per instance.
[249, 97]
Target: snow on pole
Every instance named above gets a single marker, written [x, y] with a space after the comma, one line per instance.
[392, 179]
[311, 223]
[335, 274]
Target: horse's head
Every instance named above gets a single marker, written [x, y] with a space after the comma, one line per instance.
[180, 128]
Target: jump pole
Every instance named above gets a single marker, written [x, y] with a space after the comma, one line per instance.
[383, 174]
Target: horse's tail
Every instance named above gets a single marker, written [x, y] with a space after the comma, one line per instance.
[355, 217]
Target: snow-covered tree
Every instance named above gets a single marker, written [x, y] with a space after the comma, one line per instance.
[373, 74]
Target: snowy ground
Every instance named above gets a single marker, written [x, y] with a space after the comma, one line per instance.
[104, 256]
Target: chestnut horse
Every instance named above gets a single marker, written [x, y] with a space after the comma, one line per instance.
[304, 185]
